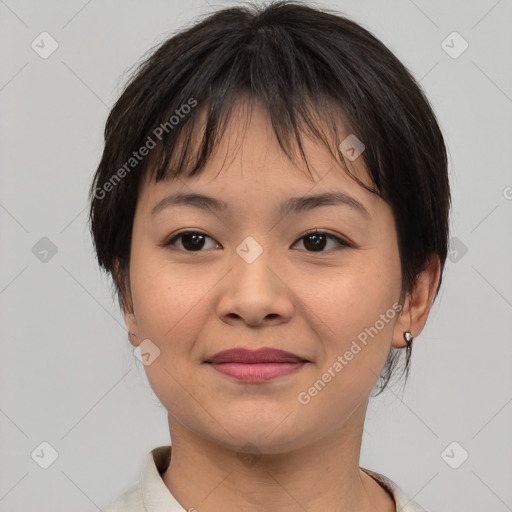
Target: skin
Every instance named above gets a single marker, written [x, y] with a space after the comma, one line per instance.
[194, 304]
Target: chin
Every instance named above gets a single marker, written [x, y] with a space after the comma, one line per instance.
[253, 435]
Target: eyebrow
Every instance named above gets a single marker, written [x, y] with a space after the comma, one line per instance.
[294, 205]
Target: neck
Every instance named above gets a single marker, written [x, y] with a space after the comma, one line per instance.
[322, 476]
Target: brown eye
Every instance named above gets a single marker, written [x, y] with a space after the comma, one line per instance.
[191, 241]
[316, 241]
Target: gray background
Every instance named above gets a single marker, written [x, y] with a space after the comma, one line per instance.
[68, 373]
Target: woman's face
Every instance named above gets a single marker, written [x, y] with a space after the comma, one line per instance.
[256, 280]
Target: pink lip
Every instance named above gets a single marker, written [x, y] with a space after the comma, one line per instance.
[256, 365]
[256, 372]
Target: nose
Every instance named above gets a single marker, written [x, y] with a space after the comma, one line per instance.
[255, 292]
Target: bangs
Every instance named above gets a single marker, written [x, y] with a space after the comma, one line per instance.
[293, 76]
[185, 152]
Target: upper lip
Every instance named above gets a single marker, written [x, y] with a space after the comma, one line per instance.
[262, 355]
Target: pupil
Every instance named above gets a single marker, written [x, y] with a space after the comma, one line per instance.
[188, 237]
[316, 243]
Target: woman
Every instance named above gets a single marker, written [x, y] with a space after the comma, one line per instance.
[272, 203]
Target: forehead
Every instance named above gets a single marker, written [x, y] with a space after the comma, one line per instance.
[248, 163]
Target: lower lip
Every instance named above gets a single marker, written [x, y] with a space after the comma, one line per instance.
[256, 372]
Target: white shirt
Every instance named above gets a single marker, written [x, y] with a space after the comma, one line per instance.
[150, 494]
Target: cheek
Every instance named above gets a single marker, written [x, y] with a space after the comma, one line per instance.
[352, 297]
[355, 317]
[170, 306]
[173, 303]
[354, 310]
[169, 303]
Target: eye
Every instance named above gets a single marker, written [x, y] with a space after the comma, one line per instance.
[191, 241]
[317, 240]
[194, 241]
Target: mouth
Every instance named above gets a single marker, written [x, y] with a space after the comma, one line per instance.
[256, 365]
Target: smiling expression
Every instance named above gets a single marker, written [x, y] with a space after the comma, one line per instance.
[226, 260]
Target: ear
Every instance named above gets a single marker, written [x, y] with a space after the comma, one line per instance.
[132, 328]
[124, 290]
[416, 308]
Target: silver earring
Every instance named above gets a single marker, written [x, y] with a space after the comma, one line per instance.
[408, 337]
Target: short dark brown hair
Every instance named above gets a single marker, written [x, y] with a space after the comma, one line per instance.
[311, 69]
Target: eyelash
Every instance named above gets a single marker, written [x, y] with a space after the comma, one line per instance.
[343, 243]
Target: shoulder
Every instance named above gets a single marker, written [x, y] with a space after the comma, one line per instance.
[403, 503]
[149, 493]
[129, 501]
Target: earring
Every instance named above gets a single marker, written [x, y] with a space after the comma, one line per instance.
[408, 338]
